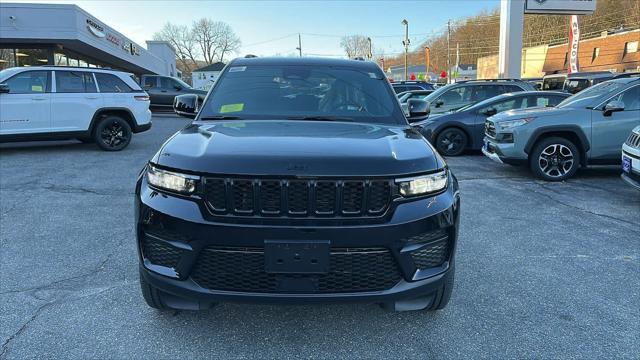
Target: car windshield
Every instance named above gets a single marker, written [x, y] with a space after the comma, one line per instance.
[575, 85]
[182, 83]
[588, 96]
[304, 92]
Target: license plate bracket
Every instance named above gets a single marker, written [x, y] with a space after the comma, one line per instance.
[296, 257]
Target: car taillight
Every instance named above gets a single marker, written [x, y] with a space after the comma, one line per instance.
[141, 97]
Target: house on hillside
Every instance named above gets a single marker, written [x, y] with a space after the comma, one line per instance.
[205, 77]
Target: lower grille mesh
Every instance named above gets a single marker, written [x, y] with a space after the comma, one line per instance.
[242, 269]
[161, 253]
[431, 255]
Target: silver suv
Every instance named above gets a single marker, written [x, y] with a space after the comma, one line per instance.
[586, 128]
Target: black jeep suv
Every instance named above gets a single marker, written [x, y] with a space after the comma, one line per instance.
[310, 185]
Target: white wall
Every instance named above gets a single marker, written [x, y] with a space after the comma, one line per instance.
[204, 79]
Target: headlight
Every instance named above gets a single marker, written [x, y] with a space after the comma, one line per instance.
[172, 181]
[513, 123]
[422, 185]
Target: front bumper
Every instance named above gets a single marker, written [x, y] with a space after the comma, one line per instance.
[503, 153]
[188, 226]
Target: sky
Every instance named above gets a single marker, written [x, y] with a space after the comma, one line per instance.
[271, 27]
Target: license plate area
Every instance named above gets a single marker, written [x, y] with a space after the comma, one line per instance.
[296, 257]
[626, 164]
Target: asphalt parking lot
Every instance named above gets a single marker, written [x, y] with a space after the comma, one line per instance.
[544, 270]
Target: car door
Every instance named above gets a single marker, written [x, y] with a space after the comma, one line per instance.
[26, 108]
[74, 101]
[168, 90]
[608, 132]
[151, 86]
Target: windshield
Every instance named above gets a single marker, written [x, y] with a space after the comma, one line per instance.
[182, 83]
[294, 92]
[588, 96]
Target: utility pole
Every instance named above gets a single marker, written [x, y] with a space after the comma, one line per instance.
[405, 42]
[299, 48]
[448, 51]
[370, 54]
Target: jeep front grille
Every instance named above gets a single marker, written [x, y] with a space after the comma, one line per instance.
[297, 198]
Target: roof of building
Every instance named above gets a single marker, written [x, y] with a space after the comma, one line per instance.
[211, 67]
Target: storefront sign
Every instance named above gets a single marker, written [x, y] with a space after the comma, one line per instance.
[95, 28]
[571, 7]
[574, 42]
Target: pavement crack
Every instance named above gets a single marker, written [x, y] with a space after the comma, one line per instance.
[5, 344]
[587, 211]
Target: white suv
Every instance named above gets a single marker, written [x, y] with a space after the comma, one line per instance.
[631, 159]
[89, 104]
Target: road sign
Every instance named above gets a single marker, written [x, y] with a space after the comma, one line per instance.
[567, 7]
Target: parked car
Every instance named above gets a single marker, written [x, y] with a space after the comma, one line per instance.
[576, 82]
[162, 90]
[631, 159]
[586, 128]
[274, 195]
[402, 86]
[53, 103]
[404, 97]
[535, 82]
[463, 129]
[457, 95]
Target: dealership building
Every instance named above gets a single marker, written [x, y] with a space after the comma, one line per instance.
[55, 34]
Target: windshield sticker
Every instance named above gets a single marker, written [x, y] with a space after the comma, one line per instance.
[231, 108]
[36, 88]
[237, 68]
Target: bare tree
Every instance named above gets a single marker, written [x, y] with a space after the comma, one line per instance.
[355, 45]
[180, 37]
[215, 39]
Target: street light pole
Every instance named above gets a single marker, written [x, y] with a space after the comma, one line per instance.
[448, 51]
[405, 42]
[299, 48]
[370, 54]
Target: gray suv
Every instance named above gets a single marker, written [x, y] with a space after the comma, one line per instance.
[586, 128]
[462, 93]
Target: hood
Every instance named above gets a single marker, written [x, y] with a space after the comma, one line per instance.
[301, 148]
[529, 112]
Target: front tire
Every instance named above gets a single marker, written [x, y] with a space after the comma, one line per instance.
[112, 133]
[451, 142]
[554, 159]
[151, 295]
[445, 291]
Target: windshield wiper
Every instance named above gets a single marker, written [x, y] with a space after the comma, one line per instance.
[320, 118]
[220, 117]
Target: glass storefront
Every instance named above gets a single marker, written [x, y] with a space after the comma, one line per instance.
[44, 56]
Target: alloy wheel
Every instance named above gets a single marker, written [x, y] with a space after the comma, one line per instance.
[556, 160]
[114, 134]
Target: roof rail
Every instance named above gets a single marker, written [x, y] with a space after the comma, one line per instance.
[77, 67]
[487, 80]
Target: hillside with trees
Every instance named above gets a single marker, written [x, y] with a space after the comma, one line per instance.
[478, 36]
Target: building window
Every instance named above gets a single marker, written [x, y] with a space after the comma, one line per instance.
[31, 57]
[7, 59]
[596, 52]
[630, 47]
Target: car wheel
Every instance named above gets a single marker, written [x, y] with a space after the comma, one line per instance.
[151, 295]
[112, 133]
[451, 142]
[555, 159]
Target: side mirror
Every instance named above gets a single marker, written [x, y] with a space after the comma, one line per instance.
[418, 110]
[4, 89]
[439, 103]
[613, 106]
[186, 105]
[490, 112]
